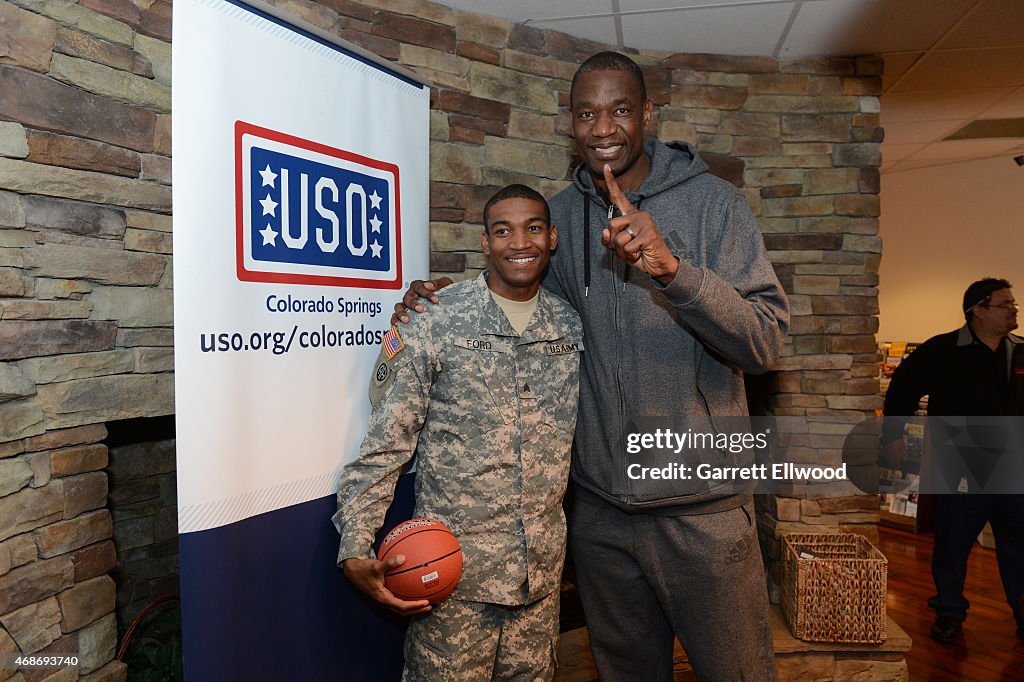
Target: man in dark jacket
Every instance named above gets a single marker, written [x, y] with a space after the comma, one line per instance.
[974, 371]
[667, 268]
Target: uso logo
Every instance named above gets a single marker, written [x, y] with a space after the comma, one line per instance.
[307, 213]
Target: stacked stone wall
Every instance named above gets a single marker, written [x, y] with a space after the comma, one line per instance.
[85, 304]
[86, 237]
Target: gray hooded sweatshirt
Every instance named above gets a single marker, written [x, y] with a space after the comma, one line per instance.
[666, 357]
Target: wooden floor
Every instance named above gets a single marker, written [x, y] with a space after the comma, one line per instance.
[989, 649]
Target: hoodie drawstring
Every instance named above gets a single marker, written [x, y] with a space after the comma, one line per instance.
[586, 245]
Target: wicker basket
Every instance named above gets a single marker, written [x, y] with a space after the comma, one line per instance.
[839, 594]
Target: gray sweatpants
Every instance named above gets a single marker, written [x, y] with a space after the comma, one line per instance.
[644, 578]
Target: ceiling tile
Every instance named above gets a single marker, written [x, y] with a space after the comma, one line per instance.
[955, 69]
[520, 10]
[914, 164]
[996, 23]
[898, 152]
[990, 128]
[629, 5]
[601, 29]
[920, 131]
[855, 27]
[1011, 106]
[752, 30]
[896, 63]
[898, 107]
[966, 149]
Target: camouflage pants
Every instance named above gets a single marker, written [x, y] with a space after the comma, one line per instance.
[469, 641]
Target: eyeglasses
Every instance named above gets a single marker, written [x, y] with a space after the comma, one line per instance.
[1009, 305]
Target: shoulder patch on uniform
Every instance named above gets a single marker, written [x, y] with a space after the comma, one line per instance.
[392, 343]
[381, 374]
[382, 381]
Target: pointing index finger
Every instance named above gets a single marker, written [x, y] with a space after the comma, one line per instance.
[615, 194]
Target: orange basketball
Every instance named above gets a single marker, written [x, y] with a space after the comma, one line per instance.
[433, 560]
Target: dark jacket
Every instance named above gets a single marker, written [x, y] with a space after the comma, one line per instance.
[666, 357]
[961, 377]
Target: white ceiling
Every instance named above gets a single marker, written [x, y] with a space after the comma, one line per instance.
[948, 62]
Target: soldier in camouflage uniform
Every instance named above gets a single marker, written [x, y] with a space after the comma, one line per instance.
[489, 413]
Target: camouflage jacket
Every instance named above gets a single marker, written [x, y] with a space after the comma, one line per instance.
[489, 415]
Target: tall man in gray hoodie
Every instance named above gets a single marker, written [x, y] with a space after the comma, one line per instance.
[667, 268]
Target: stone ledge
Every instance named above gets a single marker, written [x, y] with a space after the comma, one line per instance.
[794, 658]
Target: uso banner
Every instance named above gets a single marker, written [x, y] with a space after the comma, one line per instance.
[300, 213]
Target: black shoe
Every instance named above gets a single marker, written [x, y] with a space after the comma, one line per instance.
[945, 629]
